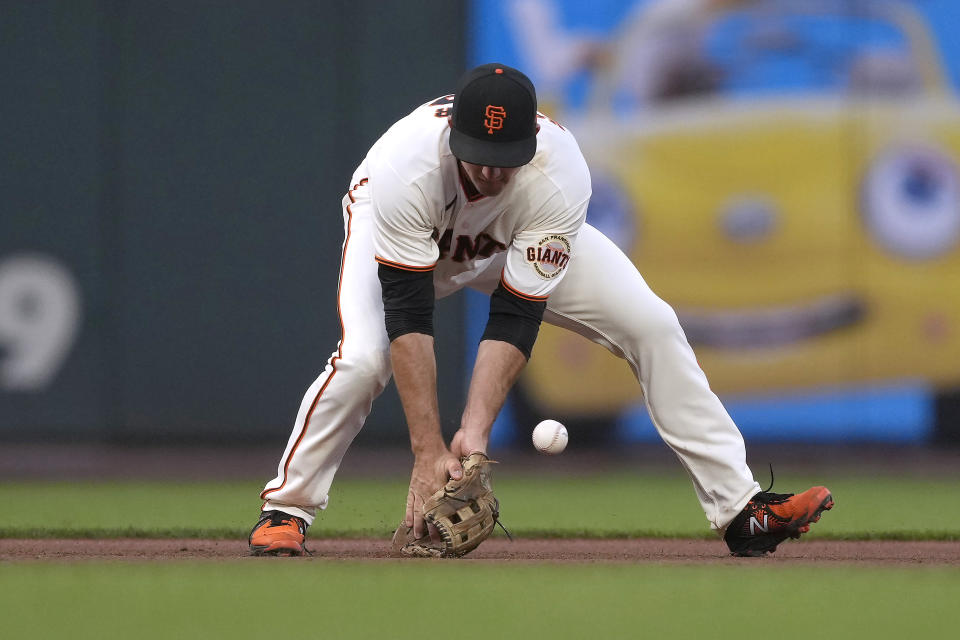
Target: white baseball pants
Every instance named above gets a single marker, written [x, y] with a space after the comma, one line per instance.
[621, 313]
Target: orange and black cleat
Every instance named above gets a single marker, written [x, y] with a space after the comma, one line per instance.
[770, 518]
[278, 534]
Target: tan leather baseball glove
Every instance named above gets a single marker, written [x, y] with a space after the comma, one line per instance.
[464, 512]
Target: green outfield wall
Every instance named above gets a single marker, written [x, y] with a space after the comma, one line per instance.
[170, 223]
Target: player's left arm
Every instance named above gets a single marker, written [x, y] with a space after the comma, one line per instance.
[536, 262]
[497, 368]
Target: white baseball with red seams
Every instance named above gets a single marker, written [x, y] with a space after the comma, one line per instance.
[550, 437]
[409, 209]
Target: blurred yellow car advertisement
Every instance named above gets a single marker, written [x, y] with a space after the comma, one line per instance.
[794, 195]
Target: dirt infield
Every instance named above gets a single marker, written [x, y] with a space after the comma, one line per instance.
[658, 551]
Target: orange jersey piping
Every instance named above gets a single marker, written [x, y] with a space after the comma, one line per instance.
[520, 294]
[354, 188]
[405, 267]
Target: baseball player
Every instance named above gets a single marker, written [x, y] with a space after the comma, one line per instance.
[479, 190]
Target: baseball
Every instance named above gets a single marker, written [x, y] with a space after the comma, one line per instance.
[550, 437]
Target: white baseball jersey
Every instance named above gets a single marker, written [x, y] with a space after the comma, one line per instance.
[425, 220]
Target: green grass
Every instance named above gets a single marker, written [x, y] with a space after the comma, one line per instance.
[319, 597]
[259, 598]
[602, 505]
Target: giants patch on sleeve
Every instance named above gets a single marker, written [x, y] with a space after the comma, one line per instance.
[549, 256]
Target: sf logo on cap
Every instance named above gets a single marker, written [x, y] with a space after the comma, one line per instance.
[494, 119]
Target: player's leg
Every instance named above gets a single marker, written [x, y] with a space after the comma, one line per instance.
[336, 405]
[604, 298]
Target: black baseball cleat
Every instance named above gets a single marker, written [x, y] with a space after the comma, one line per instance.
[770, 518]
[278, 534]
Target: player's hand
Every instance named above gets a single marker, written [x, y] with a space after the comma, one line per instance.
[430, 473]
[466, 442]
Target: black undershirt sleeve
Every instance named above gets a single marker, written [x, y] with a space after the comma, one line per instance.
[407, 301]
[514, 319]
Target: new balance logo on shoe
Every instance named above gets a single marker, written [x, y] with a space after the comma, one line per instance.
[770, 518]
[755, 524]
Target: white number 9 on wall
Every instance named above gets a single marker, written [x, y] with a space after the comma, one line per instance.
[39, 319]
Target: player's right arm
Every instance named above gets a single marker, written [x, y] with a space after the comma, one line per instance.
[407, 253]
[415, 372]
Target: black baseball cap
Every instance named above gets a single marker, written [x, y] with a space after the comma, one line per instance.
[494, 119]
